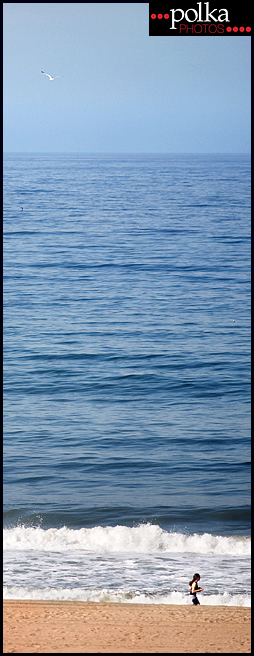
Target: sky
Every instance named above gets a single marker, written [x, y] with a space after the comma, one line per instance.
[121, 91]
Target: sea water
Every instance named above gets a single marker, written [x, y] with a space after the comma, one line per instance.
[127, 377]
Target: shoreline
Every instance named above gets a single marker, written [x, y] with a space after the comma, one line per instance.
[98, 627]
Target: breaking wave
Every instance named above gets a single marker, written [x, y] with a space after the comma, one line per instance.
[121, 596]
[145, 538]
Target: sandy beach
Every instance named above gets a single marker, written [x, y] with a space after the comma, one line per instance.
[79, 627]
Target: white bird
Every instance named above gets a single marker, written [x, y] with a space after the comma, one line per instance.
[50, 76]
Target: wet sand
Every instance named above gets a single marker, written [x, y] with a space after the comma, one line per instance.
[80, 627]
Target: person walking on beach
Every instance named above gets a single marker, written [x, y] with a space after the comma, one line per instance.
[194, 589]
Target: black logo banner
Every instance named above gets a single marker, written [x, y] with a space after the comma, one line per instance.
[199, 18]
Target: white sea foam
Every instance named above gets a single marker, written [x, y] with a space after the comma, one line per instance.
[145, 538]
[121, 596]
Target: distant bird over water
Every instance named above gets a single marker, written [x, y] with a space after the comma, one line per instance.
[50, 76]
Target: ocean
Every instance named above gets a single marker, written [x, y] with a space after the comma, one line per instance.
[127, 377]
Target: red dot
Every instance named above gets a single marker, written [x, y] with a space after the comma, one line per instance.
[160, 16]
[235, 29]
[153, 15]
[241, 29]
[229, 29]
[248, 29]
[166, 16]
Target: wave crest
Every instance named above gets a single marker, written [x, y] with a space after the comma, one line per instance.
[120, 596]
[145, 538]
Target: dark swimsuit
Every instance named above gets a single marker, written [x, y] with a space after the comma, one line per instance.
[195, 600]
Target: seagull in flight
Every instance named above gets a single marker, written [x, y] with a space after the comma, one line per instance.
[50, 76]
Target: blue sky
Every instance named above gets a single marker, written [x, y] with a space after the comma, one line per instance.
[122, 91]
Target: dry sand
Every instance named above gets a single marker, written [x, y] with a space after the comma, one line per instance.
[79, 627]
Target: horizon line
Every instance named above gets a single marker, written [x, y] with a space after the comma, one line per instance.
[73, 152]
